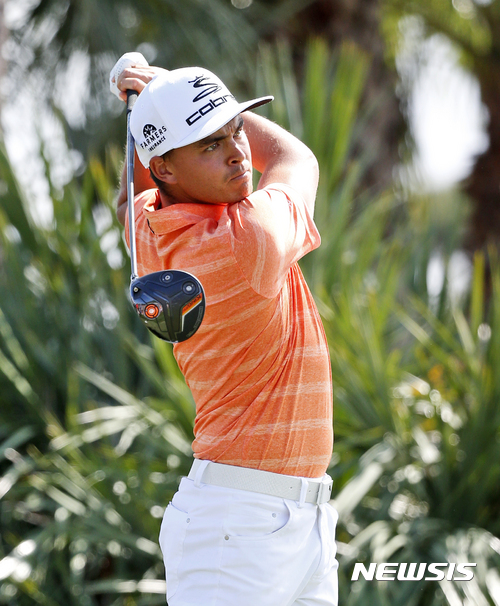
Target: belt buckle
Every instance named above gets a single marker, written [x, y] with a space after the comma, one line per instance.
[325, 491]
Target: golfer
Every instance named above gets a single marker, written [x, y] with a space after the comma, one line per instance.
[251, 524]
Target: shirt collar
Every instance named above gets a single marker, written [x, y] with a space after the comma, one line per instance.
[178, 216]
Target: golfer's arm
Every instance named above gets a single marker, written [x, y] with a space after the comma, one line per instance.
[142, 181]
[281, 157]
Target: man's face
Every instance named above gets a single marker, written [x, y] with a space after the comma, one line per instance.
[215, 170]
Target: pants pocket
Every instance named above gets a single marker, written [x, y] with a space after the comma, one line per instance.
[172, 536]
[249, 521]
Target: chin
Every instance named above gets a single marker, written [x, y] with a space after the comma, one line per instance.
[247, 190]
[242, 191]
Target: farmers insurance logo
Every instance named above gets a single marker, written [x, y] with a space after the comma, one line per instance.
[207, 88]
[152, 136]
[408, 572]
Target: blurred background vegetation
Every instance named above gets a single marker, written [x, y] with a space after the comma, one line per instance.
[95, 418]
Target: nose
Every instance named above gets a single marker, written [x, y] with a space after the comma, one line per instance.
[237, 154]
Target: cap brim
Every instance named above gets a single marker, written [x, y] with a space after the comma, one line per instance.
[221, 119]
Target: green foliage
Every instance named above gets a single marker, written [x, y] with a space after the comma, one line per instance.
[96, 421]
[87, 467]
[426, 490]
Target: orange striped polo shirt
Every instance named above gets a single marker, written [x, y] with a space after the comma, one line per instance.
[258, 367]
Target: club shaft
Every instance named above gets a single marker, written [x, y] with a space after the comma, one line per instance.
[131, 97]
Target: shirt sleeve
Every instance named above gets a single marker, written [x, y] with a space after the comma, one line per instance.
[270, 231]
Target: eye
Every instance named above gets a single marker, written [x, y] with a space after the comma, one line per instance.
[212, 147]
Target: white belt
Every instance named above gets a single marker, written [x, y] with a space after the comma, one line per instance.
[304, 490]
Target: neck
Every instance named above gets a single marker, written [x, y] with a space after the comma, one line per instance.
[167, 199]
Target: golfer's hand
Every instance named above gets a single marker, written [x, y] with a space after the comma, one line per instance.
[131, 72]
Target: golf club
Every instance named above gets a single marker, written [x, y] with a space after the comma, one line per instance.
[171, 303]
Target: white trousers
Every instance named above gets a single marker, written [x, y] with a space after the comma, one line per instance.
[228, 547]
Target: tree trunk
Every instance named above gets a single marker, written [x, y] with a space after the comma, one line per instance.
[483, 185]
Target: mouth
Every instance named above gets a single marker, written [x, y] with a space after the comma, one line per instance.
[241, 175]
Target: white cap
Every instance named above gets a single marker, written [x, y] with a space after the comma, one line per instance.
[180, 107]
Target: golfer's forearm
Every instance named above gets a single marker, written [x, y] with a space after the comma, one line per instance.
[281, 157]
[142, 181]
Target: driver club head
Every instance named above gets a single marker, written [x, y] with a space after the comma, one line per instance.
[171, 303]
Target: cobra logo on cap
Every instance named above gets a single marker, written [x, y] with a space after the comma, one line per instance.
[208, 88]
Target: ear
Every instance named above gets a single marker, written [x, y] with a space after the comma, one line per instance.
[161, 169]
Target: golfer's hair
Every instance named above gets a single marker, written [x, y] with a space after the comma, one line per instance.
[161, 185]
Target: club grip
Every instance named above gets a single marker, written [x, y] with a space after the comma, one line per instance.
[131, 99]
